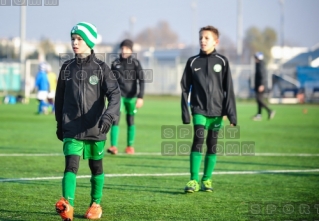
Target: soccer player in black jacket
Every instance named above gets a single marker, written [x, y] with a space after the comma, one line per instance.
[82, 118]
[212, 97]
[128, 72]
[260, 86]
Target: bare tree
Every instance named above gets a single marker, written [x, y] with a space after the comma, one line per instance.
[257, 40]
[46, 47]
[7, 50]
[146, 38]
[160, 36]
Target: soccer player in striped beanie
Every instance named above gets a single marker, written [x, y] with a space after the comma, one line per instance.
[82, 118]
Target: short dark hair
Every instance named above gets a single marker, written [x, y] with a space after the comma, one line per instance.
[127, 43]
[210, 28]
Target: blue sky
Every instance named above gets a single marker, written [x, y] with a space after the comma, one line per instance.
[301, 23]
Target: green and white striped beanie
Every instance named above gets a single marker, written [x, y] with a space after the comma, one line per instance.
[87, 31]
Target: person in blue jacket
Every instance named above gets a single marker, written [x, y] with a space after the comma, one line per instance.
[43, 86]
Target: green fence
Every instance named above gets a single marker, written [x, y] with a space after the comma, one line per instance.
[10, 78]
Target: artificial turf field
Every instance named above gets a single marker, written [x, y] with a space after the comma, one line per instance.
[280, 182]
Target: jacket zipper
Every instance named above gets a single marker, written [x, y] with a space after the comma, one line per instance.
[207, 86]
[81, 98]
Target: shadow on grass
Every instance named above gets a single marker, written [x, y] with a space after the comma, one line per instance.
[26, 214]
[8, 148]
[136, 188]
[18, 214]
[32, 182]
[9, 219]
[152, 166]
[157, 157]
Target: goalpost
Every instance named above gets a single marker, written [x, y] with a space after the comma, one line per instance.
[31, 67]
[10, 78]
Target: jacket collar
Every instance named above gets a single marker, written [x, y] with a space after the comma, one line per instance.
[87, 59]
[201, 53]
[125, 59]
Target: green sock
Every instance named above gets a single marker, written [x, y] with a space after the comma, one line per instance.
[97, 183]
[195, 161]
[210, 162]
[130, 135]
[68, 186]
[114, 135]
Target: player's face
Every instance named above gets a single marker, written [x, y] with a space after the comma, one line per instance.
[79, 46]
[207, 41]
[125, 52]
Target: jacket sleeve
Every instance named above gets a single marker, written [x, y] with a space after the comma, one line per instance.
[186, 83]
[59, 95]
[112, 91]
[229, 99]
[140, 74]
[260, 75]
[263, 75]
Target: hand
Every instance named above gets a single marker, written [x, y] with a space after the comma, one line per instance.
[59, 132]
[232, 125]
[139, 102]
[261, 88]
[105, 123]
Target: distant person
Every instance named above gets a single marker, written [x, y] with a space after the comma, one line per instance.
[301, 95]
[260, 86]
[42, 85]
[52, 81]
[208, 75]
[82, 118]
[128, 72]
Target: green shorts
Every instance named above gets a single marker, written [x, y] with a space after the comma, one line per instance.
[210, 123]
[93, 150]
[129, 104]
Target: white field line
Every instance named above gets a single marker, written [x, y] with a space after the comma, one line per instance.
[30, 154]
[287, 154]
[159, 154]
[168, 174]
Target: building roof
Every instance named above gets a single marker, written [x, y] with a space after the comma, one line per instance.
[303, 59]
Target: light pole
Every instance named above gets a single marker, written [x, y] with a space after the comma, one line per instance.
[132, 22]
[239, 30]
[282, 16]
[22, 54]
[194, 28]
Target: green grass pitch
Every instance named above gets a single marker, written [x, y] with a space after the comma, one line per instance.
[284, 185]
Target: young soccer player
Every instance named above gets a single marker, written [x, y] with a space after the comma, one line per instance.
[209, 76]
[128, 72]
[52, 81]
[260, 86]
[42, 85]
[82, 119]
